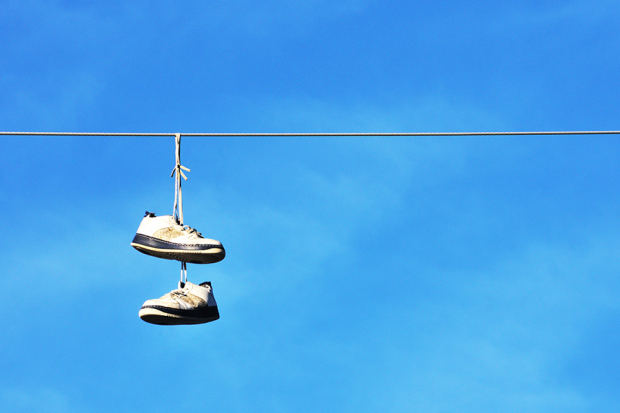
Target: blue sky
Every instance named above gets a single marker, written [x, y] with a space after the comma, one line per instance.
[371, 274]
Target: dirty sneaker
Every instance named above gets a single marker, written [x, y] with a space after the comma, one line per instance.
[163, 237]
[190, 304]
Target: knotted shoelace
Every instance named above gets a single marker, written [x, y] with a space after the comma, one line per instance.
[177, 212]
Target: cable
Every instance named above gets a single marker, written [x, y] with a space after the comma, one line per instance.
[612, 132]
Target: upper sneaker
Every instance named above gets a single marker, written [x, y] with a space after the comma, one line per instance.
[191, 304]
[163, 237]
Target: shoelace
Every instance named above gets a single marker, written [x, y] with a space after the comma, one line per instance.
[178, 293]
[177, 211]
[191, 232]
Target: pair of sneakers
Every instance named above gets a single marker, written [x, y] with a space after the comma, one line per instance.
[164, 237]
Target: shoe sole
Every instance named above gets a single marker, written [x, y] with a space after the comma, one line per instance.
[208, 257]
[194, 254]
[155, 316]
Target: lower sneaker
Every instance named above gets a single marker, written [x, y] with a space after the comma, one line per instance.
[190, 304]
[163, 237]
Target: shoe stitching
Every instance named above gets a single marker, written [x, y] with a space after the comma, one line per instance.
[178, 243]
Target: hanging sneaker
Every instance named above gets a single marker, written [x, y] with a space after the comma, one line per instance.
[163, 237]
[191, 304]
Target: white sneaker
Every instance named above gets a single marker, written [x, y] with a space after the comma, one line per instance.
[191, 304]
[163, 237]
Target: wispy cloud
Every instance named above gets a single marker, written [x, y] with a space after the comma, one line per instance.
[506, 334]
[60, 102]
[30, 399]
[66, 58]
[578, 12]
[429, 113]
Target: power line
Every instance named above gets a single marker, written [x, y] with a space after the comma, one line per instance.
[614, 132]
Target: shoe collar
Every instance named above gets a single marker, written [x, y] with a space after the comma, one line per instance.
[197, 290]
[151, 224]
